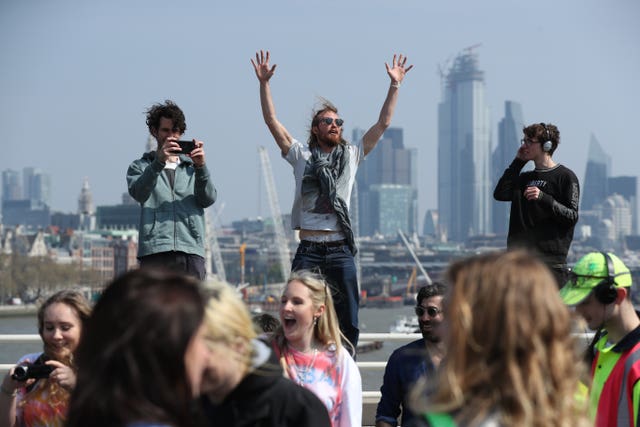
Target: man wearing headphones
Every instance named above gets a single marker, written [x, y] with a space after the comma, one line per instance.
[599, 288]
[544, 201]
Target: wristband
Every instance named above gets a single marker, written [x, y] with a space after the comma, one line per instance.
[8, 392]
[396, 85]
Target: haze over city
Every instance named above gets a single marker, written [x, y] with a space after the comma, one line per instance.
[76, 78]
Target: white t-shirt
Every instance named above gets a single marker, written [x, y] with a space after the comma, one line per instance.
[308, 212]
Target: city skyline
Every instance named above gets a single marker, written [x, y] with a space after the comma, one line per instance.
[75, 89]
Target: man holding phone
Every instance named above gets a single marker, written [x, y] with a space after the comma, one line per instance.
[173, 187]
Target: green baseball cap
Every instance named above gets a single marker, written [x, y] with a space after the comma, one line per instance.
[590, 271]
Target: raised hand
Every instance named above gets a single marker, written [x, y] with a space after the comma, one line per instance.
[261, 66]
[398, 69]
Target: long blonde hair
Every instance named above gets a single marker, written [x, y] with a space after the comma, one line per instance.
[510, 349]
[327, 329]
[227, 321]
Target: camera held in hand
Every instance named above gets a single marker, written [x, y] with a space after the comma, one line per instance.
[186, 147]
[36, 370]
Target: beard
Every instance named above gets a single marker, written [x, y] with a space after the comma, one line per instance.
[330, 139]
[430, 334]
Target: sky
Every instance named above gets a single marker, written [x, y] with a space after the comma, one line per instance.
[76, 78]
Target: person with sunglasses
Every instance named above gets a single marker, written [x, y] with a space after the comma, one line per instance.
[418, 359]
[600, 290]
[544, 201]
[324, 172]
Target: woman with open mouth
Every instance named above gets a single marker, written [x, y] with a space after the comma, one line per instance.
[313, 351]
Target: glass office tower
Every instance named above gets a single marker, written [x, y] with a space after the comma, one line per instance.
[464, 150]
[389, 165]
[509, 136]
[596, 185]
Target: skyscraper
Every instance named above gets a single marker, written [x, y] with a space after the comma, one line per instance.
[595, 188]
[27, 201]
[627, 187]
[609, 204]
[11, 185]
[464, 150]
[509, 135]
[36, 186]
[392, 169]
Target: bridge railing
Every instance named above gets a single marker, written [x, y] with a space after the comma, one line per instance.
[373, 365]
[368, 395]
[370, 398]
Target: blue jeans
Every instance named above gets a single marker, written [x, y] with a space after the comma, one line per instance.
[339, 269]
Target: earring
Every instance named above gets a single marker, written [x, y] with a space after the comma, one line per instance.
[315, 321]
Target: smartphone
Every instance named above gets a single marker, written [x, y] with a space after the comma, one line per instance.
[186, 147]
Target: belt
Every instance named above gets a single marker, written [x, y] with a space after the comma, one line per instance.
[329, 244]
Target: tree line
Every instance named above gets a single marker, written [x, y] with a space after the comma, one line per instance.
[29, 277]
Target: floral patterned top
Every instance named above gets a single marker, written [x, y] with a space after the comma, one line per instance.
[35, 406]
[333, 377]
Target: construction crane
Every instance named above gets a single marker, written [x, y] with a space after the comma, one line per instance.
[415, 257]
[284, 255]
[212, 249]
[412, 285]
[470, 50]
[243, 248]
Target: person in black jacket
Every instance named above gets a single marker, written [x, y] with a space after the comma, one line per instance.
[544, 201]
[244, 383]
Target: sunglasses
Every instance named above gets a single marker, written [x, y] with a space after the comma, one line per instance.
[431, 311]
[329, 120]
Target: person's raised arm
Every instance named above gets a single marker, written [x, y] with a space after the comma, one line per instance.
[264, 73]
[396, 72]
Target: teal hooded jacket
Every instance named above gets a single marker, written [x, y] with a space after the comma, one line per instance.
[171, 219]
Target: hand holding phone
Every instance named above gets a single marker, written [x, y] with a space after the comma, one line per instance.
[186, 147]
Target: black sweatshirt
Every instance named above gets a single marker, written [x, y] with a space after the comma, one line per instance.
[546, 225]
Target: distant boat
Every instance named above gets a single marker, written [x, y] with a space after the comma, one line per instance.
[405, 325]
[380, 301]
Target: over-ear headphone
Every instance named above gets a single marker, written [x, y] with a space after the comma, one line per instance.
[605, 291]
[547, 145]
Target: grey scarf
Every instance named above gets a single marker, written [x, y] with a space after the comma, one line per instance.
[324, 174]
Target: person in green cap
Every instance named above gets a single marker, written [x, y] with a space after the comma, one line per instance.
[600, 289]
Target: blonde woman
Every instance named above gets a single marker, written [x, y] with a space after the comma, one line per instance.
[243, 385]
[511, 359]
[310, 347]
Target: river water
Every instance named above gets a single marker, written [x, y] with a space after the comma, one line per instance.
[371, 320]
